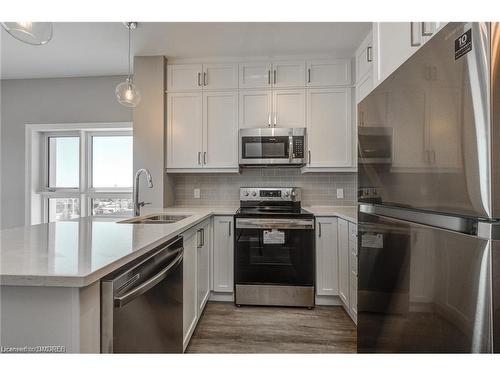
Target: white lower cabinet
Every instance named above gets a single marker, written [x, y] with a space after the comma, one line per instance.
[222, 260]
[203, 266]
[196, 276]
[343, 241]
[327, 280]
[190, 295]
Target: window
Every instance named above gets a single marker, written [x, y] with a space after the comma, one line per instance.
[84, 172]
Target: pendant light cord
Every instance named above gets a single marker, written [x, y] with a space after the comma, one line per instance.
[129, 67]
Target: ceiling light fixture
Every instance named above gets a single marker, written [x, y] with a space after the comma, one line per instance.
[126, 92]
[34, 33]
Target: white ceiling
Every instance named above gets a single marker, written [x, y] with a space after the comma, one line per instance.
[91, 49]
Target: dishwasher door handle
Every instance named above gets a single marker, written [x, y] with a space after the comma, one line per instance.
[144, 287]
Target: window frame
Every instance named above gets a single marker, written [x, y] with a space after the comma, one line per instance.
[37, 168]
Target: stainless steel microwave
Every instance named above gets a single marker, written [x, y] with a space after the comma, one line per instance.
[272, 146]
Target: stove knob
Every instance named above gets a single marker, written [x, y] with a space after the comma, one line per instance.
[245, 193]
[287, 194]
[254, 194]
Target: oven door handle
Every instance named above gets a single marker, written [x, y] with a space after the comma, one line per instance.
[247, 223]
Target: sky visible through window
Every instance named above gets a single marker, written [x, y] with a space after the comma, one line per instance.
[111, 161]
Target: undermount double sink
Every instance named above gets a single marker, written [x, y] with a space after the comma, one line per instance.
[155, 219]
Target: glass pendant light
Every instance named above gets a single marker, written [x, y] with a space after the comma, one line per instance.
[34, 33]
[126, 92]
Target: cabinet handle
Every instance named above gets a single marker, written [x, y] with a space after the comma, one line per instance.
[412, 41]
[205, 157]
[203, 237]
[204, 78]
[309, 154]
[309, 75]
[433, 153]
[274, 76]
[199, 79]
[369, 56]
[269, 77]
[425, 33]
[229, 226]
[275, 119]
[199, 157]
[269, 120]
[200, 243]
[319, 229]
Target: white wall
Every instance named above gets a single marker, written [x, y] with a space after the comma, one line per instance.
[55, 100]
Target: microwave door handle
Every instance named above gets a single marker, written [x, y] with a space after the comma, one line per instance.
[290, 148]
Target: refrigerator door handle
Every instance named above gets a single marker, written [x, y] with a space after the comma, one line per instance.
[449, 222]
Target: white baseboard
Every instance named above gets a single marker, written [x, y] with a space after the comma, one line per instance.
[328, 301]
[221, 297]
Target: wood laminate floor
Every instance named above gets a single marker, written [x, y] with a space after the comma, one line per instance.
[225, 328]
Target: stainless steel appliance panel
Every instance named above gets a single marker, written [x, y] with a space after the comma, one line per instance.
[272, 146]
[495, 113]
[141, 305]
[422, 289]
[437, 108]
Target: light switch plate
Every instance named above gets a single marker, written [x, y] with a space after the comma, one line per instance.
[340, 193]
[197, 193]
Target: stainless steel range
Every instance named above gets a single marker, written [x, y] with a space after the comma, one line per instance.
[274, 249]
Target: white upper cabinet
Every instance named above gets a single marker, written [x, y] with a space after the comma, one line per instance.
[255, 108]
[220, 76]
[288, 74]
[395, 42]
[255, 75]
[289, 108]
[329, 128]
[334, 72]
[184, 77]
[220, 129]
[184, 130]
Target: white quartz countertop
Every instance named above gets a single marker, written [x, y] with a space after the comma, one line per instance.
[349, 213]
[80, 252]
[77, 253]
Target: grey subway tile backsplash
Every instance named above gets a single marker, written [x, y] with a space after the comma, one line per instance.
[223, 189]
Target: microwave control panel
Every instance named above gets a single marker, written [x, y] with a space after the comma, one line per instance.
[298, 147]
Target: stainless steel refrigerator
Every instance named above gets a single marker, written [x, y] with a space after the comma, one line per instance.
[429, 199]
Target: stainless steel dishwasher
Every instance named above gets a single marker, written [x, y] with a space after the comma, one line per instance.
[141, 304]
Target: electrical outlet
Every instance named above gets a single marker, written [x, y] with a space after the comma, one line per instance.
[197, 193]
[340, 193]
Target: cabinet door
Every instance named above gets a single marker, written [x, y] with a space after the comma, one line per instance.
[203, 266]
[223, 268]
[364, 58]
[329, 127]
[328, 72]
[327, 277]
[353, 269]
[364, 87]
[344, 272]
[394, 43]
[220, 76]
[288, 74]
[184, 77]
[184, 130]
[255, 109]
[255, 75]
[220, 129]
[190, 298]
[406, 116]
[289, 108]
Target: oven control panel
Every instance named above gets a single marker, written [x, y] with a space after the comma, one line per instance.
[270, 194]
